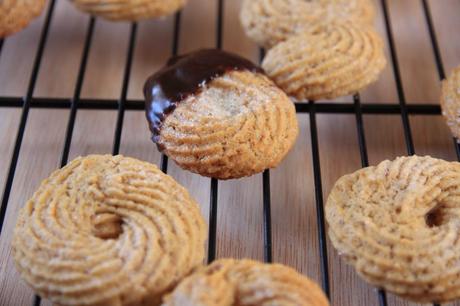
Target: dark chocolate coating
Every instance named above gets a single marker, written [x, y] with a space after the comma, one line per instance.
[185, 75]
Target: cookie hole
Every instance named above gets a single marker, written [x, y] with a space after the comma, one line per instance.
[434, 218]
[106, 225]
[398, 210]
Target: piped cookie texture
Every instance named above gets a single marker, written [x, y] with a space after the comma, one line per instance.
[217, 114]
[337, 60]
[398, 224]
[184, 76]
[129, 10]
[450, 101]
[108, 230]
[228, 282]
[17, 14]
[269, 22]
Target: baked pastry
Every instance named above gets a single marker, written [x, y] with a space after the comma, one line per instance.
[228, 282]
[108, 231]
[450, 101]
[338, 60]
[17, 14]
[216, 114]
[269, 22]
[129, 10]
[398, 224]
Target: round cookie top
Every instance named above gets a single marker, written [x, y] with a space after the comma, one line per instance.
[17, 14]
[228, 282]
[450, 101]
[129, 10]
[186, 75]
[218, 115]
[338, 59]
[398, 224]
[269, 22]
[108, 230]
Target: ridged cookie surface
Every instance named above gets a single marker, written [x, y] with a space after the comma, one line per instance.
[229, 282]
[17, 14]
[239, 124]
[450, 101]
[129, 9]
[398, 224]
[269, 22]
[340, 59]
[108, 231]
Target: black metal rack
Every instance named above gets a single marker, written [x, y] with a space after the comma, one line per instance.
[75, 103]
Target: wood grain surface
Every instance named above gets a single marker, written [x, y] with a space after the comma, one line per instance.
[240, 202]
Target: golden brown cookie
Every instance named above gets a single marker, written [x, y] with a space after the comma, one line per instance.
[339, 60]
[269, 22]
[450, 101]
[398, 224]
[229, 282]
[129, 10]
[222, 117]
[17, 14]
[108, 231]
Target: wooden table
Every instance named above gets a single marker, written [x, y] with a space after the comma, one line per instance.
[240, 203]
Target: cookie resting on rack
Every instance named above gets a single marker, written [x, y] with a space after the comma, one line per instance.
[269, 22]
[129, 10]
[108, 230]
[217, 114]
[17, 14]
[228, 282]
[398, 224]
[338, 60]
[450, 101]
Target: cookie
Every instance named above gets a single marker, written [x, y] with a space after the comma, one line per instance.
[108, 231]
[129, 10]
[338, 60]
[450, 101]
[217, 114]
[269, 22]
[228, 282]
[17, 14]
[398, 224]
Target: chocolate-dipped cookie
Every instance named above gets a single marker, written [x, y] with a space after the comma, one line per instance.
[217, 114]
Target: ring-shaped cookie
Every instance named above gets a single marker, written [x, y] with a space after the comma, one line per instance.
[398, 224]
[108, 230]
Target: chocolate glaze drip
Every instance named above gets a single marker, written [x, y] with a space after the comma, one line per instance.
[185, 75]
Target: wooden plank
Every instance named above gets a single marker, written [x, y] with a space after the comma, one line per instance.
[384, 90]
[240, 221]
[415, 55]
[106, 60]
[62, 56]
[447, 23]
[39, 157]
[295, 239]
[339, 154]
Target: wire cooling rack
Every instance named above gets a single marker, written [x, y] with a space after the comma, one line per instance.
[76, 103]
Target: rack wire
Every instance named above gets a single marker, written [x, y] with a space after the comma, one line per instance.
[76, 103]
